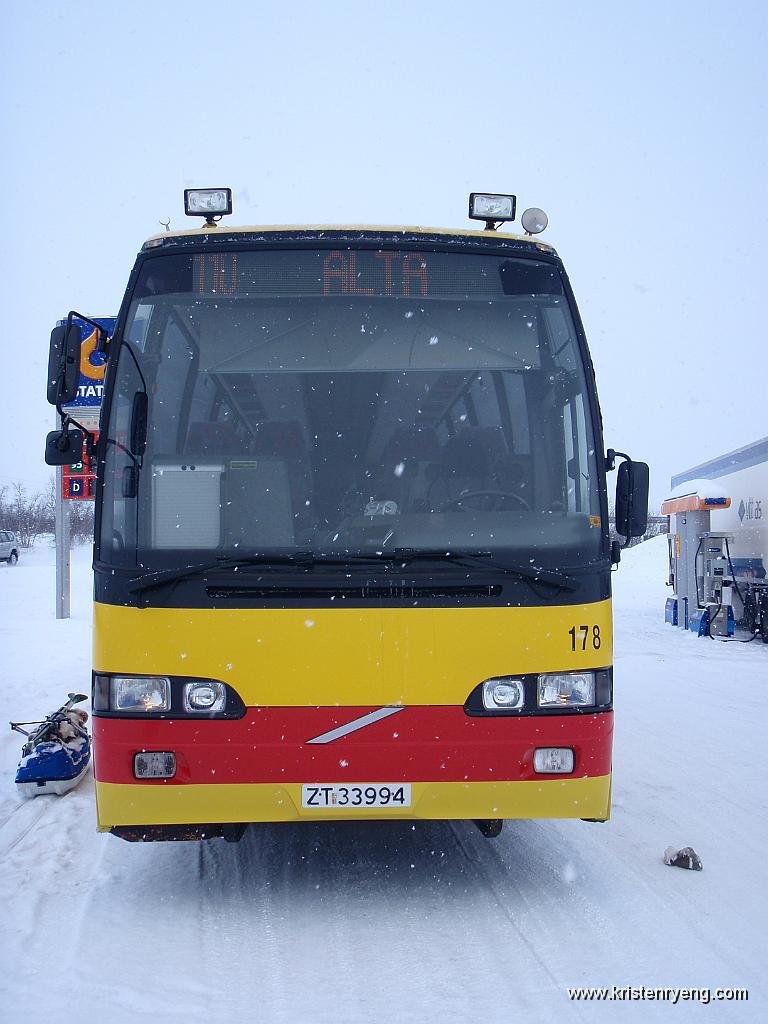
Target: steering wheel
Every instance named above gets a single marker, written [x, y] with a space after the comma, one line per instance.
[496, 505]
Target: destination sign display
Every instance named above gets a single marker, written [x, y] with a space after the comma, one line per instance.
[337, 272]
[346, 273]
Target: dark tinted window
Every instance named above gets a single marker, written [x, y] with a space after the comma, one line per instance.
[342, 401]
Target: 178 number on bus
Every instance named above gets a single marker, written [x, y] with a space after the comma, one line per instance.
[584, 636]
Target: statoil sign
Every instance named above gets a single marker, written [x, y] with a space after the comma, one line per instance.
[92, 364]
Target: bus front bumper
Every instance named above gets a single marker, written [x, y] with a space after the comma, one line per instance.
[254, 769]
[254, 802]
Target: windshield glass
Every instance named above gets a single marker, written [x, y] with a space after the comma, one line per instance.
[349, 402]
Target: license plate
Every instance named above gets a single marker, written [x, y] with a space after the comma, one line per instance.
[355, 796]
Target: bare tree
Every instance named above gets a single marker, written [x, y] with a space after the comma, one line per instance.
[23, 514]
[31, 516]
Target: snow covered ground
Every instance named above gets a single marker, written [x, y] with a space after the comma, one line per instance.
[431, 922]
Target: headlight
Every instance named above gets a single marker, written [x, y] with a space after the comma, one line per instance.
[503, 694]
[205, 696]
[166, 696]
[140, 693]
[566, 690]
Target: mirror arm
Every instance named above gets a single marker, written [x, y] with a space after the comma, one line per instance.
[101, 335]
[88, 435]
[610, 459]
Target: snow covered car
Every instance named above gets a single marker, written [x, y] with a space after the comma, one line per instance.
[9, 547]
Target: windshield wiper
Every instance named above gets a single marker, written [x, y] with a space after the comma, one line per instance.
[483, 560]
[396, 557]
[301, 559]
[293, 559]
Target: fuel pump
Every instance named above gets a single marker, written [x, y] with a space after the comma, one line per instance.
[714, 587]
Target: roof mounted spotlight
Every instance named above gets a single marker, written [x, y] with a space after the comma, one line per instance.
[491, 208]
[211, 203]
[534, 221]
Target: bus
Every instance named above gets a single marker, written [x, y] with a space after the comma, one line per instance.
[352, 555]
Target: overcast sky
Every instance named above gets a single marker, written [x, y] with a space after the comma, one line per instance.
[641, 132]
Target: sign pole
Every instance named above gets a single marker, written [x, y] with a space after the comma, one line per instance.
[62, 544]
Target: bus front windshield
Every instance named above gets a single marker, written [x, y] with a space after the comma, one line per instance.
[348, 402]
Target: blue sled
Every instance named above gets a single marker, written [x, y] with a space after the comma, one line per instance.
[57, 753]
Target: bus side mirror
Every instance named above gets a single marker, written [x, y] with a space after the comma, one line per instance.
[64, 447]
[632, 499]
[63, 366]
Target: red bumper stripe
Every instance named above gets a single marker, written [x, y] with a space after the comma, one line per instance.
[419, 744]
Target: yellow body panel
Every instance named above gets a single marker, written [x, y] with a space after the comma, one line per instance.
[156, 804]
[350, 656]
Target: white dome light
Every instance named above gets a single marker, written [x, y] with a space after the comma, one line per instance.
[534, 220]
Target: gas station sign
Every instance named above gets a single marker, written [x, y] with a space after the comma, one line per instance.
[92, 363]
[79, 480]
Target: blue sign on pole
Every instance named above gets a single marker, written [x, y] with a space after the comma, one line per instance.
[92, 363]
